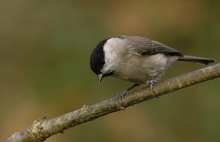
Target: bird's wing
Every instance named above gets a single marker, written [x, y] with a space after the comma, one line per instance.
[144, 46]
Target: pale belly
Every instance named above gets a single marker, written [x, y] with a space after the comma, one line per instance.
[148, 68]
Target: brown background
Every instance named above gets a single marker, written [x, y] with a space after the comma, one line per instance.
[44, 67]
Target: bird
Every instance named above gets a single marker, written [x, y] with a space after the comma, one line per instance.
[135, 59]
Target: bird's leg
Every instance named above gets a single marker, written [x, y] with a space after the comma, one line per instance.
[151, 83]
[122, 94]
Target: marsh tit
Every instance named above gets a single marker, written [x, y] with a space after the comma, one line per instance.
[135, 59]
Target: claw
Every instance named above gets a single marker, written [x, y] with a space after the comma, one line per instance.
[121, 95]
[151, 83]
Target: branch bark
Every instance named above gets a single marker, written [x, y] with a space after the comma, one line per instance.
[43, 128]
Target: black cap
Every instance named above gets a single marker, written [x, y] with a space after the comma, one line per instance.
[97, 59]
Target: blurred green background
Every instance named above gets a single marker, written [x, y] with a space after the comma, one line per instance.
[44, 67]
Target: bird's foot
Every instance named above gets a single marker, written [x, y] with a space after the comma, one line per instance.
[121, 95]
[151, 83]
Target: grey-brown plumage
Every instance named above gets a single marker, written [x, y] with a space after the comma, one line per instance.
[136, 59]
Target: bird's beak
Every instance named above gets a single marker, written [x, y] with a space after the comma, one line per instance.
[100, 76]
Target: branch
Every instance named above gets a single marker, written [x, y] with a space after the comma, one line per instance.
[41, 129]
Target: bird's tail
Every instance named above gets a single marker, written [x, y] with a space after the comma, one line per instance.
[188, 58]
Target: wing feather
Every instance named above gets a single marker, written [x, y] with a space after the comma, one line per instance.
[144, 46]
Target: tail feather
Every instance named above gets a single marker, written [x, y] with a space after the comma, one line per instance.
[188, 58]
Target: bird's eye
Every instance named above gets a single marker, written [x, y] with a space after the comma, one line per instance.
[109, 73]
[102, 61]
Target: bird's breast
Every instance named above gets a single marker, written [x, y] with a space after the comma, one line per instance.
[140, 69]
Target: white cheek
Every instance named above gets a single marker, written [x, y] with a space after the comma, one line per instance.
[110, 57]
[112, 51]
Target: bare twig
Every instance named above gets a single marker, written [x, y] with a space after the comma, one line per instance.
[42, 129]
